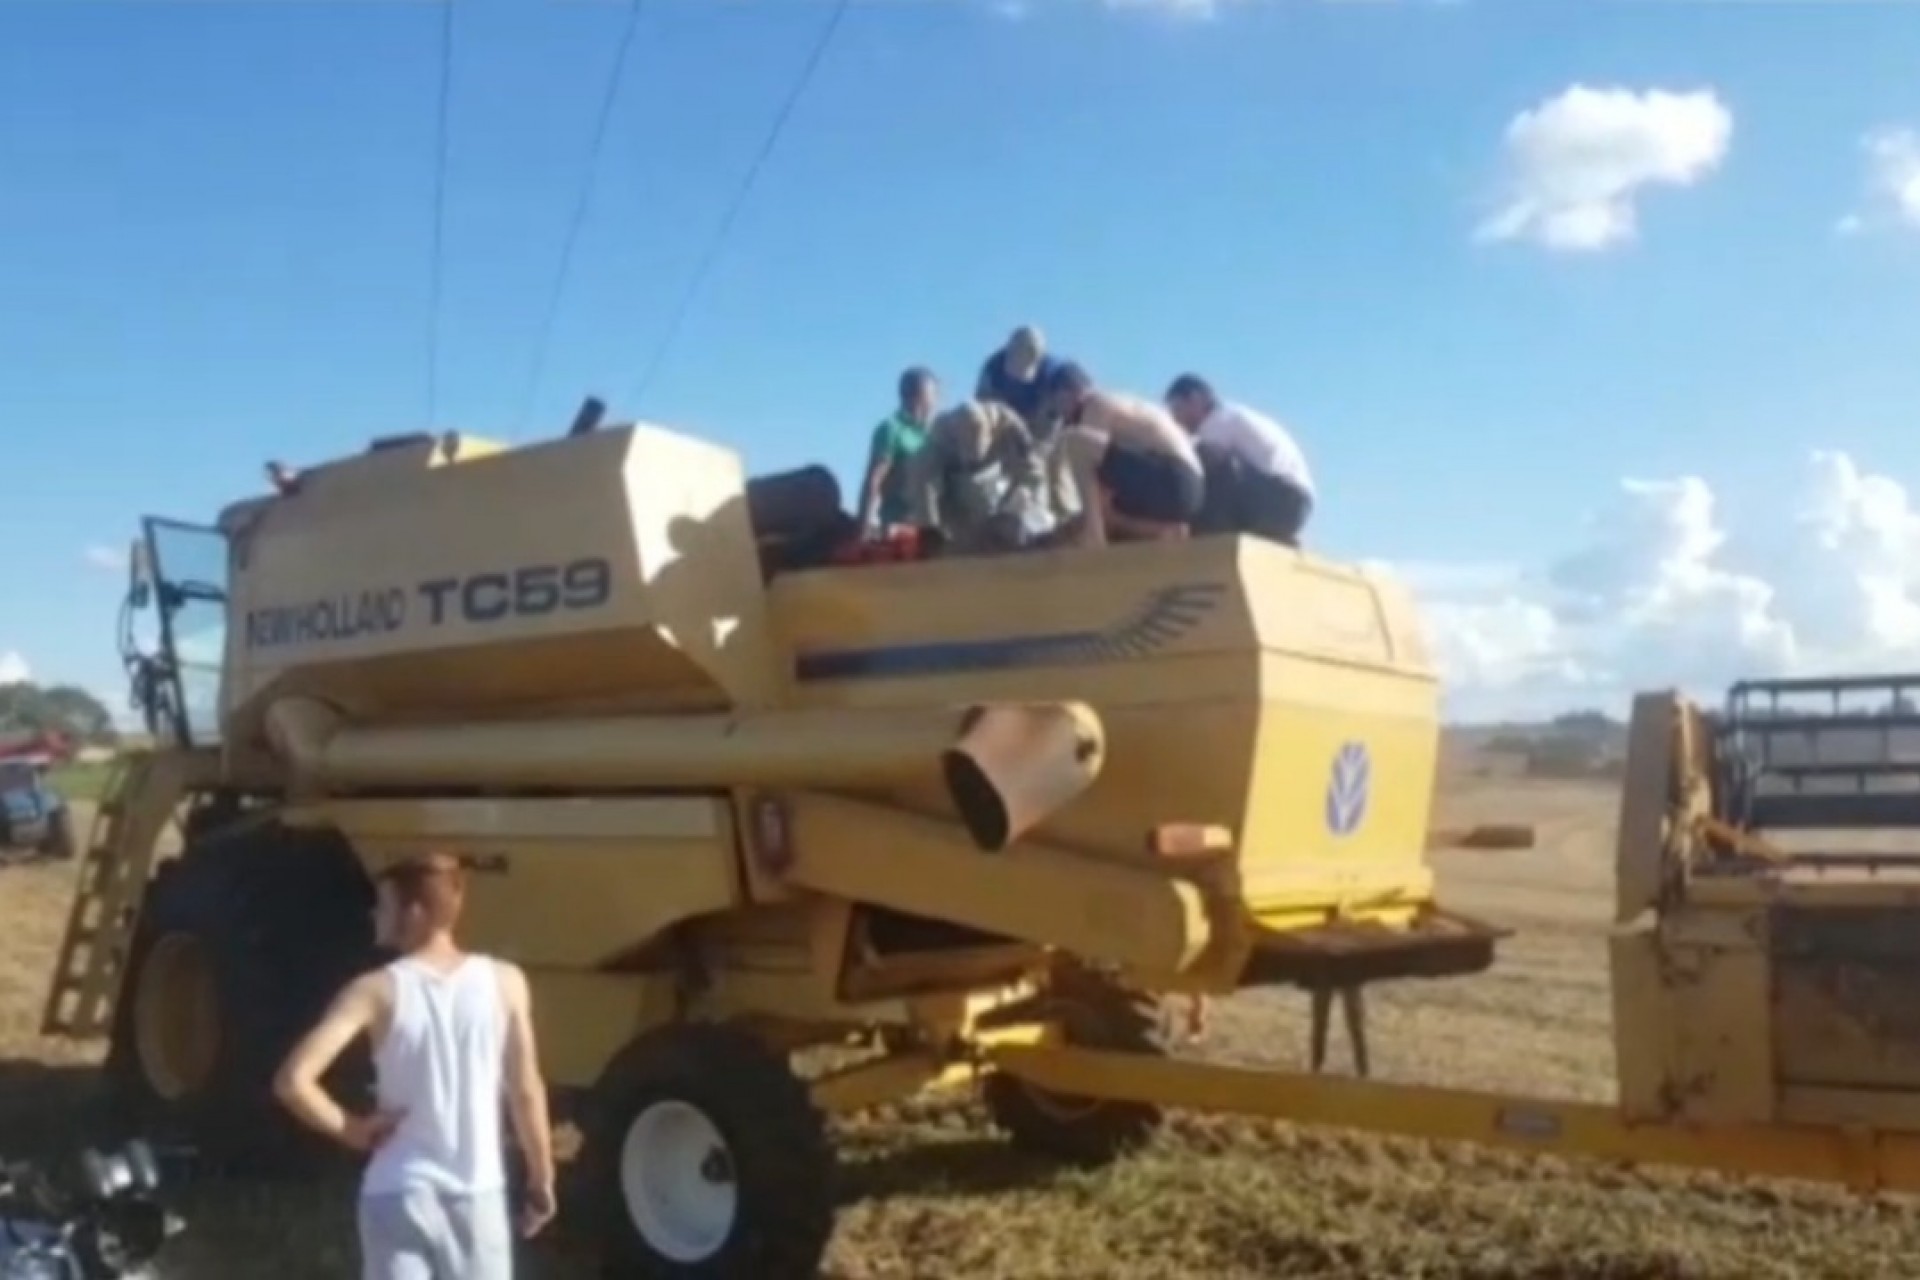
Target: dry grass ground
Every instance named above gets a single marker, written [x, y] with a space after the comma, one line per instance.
[932, 1194]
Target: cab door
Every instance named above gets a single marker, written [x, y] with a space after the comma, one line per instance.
[179, 592]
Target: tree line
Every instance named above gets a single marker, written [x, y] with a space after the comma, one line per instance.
[64, 709]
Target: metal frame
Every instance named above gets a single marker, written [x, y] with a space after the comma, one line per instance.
[1863, 1161]
[168, 601]
[1754, 725]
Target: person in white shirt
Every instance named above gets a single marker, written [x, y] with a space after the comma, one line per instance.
[1257, 476]
[452, 1037]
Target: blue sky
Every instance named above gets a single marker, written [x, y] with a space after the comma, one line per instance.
[215, 223]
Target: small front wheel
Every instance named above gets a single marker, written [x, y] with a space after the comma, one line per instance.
[705, 1159]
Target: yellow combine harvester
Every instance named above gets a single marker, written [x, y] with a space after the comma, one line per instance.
[727, 801]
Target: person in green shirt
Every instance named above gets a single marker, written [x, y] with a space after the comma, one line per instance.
[884, 497]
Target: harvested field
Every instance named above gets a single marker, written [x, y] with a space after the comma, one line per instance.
[930, 1193]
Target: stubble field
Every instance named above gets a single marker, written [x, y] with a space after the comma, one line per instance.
[932, 1192]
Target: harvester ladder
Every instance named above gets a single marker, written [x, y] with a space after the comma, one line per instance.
[141, 793]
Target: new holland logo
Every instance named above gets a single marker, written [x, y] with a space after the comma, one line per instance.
[1163, 617]
[1348, 784]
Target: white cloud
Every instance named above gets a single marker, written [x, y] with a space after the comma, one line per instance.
[1578, 163]
[13, 668]
[1892, 156]
[105, 557]
[1667, 591]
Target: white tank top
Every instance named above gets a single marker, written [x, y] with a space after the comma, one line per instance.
[441, 1064]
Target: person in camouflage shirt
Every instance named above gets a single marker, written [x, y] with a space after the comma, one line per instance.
[982, 482]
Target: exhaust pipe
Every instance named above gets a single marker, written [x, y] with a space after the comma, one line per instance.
[1004, 767]
[1015, 765]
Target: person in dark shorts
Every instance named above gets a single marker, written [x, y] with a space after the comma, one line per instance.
[1257, 477]
[1136, 470]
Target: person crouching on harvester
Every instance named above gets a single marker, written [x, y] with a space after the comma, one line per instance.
[452, 1038]
[1136, 470]
[1257, 476]
[982, 483]
[1016, 375]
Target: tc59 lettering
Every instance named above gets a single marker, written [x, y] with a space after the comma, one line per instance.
[529, 591]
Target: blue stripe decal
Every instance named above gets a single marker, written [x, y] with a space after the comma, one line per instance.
[1167, 614]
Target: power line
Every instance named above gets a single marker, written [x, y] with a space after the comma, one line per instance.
[439, 214]
[740, 195]
[608, 97]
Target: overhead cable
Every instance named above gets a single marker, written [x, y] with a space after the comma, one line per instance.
[725, 226]
[609, 95]
[439, 214]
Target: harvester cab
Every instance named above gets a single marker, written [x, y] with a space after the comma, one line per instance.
[173, 630]
[727, 798]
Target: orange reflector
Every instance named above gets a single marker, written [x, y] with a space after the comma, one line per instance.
[1188, 839]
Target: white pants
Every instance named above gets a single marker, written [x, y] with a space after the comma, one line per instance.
[420, 1235]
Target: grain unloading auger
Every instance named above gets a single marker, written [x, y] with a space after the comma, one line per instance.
[959, 819]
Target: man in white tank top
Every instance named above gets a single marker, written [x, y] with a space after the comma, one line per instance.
[452, 1038]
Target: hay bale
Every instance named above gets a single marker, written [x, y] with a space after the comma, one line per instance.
[1488, 835]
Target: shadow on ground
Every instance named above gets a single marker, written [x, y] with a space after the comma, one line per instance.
[300, 1229]
[47, 1109]
[951, 1169]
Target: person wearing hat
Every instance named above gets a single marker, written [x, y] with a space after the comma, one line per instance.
[1016, 376]
[981, 482]
[1136, 470]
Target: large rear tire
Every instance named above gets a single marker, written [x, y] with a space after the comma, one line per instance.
[1093, 1012]
[705, 1159]
[242, 941]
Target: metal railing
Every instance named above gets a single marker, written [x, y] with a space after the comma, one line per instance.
[1826, 752]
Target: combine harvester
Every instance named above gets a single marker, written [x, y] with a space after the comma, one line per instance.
[961, 819]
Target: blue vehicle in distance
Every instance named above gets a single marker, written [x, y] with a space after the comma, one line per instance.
[32, 814]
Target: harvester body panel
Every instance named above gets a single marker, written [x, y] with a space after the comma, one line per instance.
[591, 616]
[1239, 684]
[612, 568]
